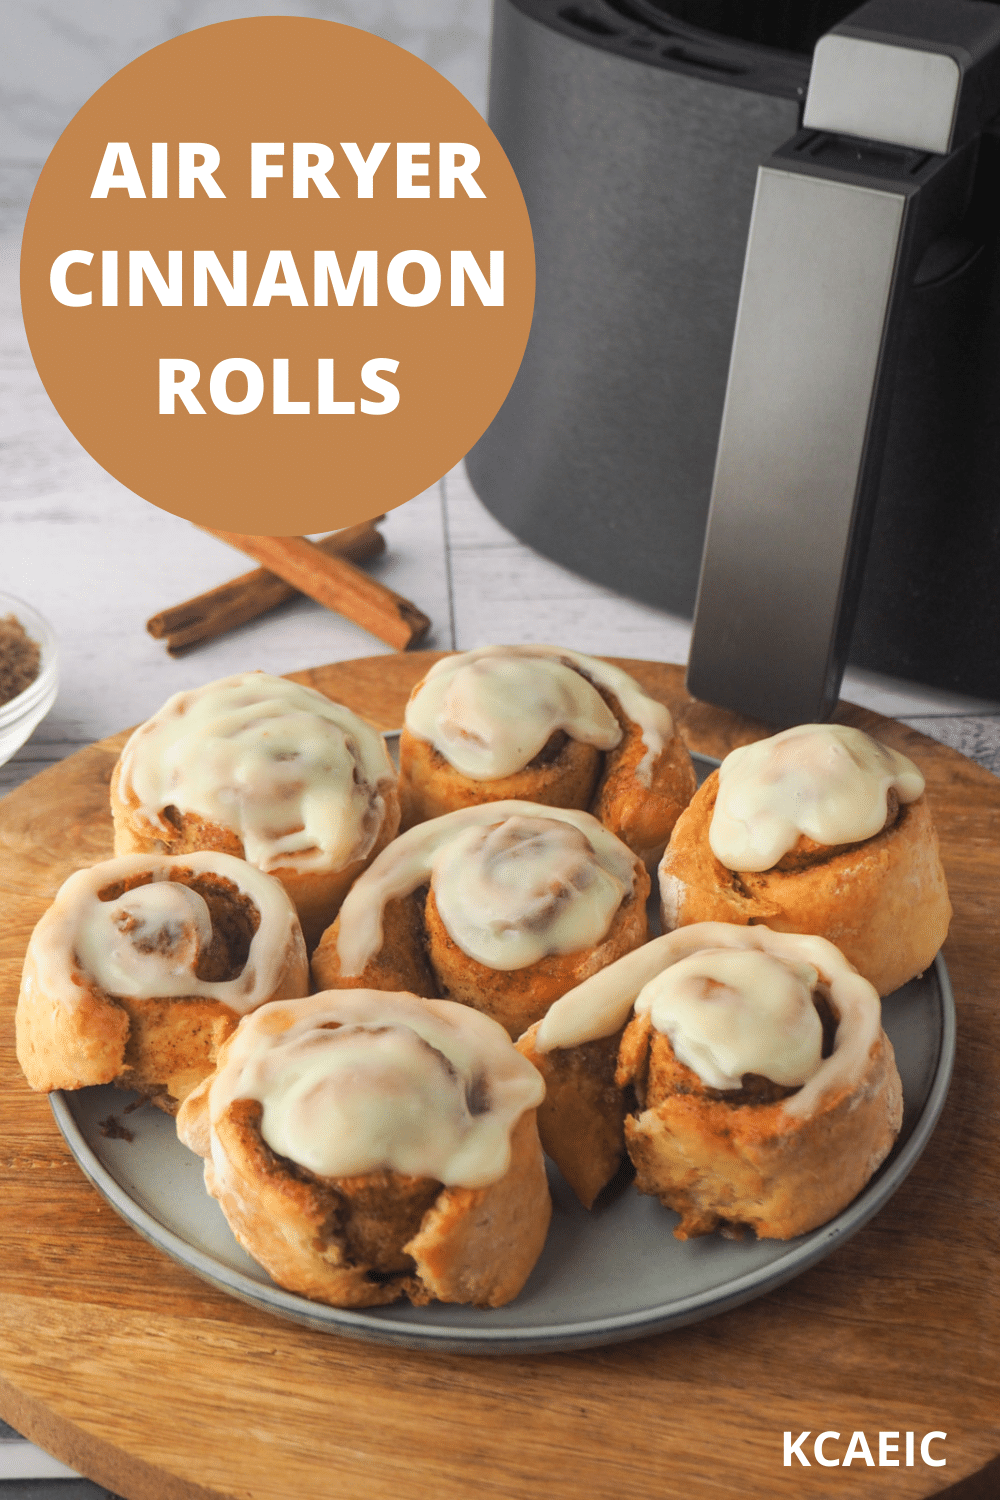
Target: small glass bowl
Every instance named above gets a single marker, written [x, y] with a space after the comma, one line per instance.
[23, 714]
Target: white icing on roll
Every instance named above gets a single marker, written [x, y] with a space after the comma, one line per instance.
[602, 1004]
[356, 1081]
[145, 943]
[490, 717]
[490, 711]
[730, 1011]
[298, 778]
[826, 781]
[148, 941]
[513, 882]
[512, 894]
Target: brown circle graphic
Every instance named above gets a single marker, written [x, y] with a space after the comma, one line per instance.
[277, 275]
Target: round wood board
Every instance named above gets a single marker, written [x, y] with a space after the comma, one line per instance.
[142, 1377]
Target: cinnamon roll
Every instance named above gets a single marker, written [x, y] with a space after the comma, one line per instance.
[502, 907]
[756, 1087]
[265, 769]
[542, 724]
[143, 965]
[821, 830]
[368, 1146]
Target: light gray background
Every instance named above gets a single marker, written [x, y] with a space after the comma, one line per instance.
[55, 53]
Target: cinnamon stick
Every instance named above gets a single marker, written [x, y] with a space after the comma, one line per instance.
[251, 594]
[335, 583]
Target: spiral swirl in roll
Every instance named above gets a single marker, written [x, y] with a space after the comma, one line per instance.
[821, 830]
[265, 769]
[143, 964]
[755, 1085]
[522, 902]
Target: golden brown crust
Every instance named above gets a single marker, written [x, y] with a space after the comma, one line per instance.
[189, 831]
[419, 955]
[884, 903]
[401, 962]
[67, 1047]
[641, 812]
[290, 1222]
[429, 785]
[777, 1159]
[642, 816]
[480, 1245]
[517, 998]
[581, 1120]
[172, 1045]
[316, 894]
[369, 1240]
[723, 1163]
[159, 1047]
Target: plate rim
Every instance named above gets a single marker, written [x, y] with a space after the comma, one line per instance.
[362, 1325]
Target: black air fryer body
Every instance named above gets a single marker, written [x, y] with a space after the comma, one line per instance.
[636, 137]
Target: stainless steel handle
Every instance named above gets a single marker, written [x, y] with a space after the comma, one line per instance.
[796, 428]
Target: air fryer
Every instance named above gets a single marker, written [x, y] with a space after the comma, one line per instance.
[637, 129]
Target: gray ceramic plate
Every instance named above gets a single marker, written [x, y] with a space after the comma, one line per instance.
[614, 1274]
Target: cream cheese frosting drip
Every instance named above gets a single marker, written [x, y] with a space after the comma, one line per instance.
[489, 718]
[513, 882]
[490, 711]
[730, 1011]
[602, 1004]
[360, 1081]
[145, 943]
[826, 781]
[298, 778]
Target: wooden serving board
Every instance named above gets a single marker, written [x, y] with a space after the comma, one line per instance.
[139, 1375]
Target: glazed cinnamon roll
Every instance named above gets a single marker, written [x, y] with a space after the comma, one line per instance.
[143, 965]
[755, 1085]
[368, 1146]
[502, 907]
[822, 830]
[541, 724]
[265, 769]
